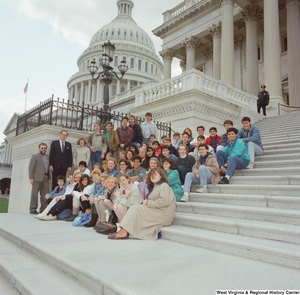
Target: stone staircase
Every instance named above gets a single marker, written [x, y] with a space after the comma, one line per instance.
[257, 215]
[235, 237]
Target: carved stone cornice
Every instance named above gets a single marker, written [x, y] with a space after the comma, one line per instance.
[191, 42]
[215, 29]
[176, 21]
[238, 42]
[195, 107]
[167, 54]
[252, 12]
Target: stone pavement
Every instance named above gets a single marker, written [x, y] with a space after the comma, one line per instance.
[38, 257]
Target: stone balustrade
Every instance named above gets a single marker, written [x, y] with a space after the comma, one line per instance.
[196, 80]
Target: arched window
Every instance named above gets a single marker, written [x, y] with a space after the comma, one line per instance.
[125, 32]
[132, 63]
[119, 32]
[106, 33]
[146, 66]
[116, 61]
[140, 64]
[113, 32]
[131, 34]
[124, 58]
[151, 69]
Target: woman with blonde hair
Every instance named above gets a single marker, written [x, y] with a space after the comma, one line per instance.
[106, 202]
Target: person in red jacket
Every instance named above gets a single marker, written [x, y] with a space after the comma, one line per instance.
[213, 139]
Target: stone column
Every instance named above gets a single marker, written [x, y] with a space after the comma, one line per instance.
[293, 38]
[118, 87]
[128, 84]
[167, 56]
[215, 31]
[98, 95]
[76, 94]
[81, 93]
[272, 50]
[251, 14]
[227, 43]
[190, 47]
[88, 99]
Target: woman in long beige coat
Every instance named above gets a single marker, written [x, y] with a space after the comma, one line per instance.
[146, 221]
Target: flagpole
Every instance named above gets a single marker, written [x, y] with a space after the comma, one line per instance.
[26, 95]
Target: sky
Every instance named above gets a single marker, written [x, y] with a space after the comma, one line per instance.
[42, 40]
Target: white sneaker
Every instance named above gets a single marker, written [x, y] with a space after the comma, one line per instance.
[202, 190]
[250, 166]
[48, 217]
[185, 197]
[39, 216]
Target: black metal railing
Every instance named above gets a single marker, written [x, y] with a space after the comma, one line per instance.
[74, 116]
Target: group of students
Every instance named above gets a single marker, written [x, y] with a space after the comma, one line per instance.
[153, 175]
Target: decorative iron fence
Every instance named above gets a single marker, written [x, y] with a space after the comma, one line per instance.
[74, 116]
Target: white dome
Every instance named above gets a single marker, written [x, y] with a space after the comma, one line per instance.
[123, 27]
[132, 44]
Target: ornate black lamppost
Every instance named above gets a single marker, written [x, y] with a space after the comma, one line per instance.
[107, 73]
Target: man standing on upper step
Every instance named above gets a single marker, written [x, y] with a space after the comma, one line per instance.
[250, 135]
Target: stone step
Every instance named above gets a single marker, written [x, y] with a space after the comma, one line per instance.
[30, 275]
[271, 145]
[7, 288]
[264, 230]
[98, 261]
[281, 253]
[283, 136]
[268, 171]
[261, 163]
[261, 179]
[264, 201]
[286, 142]
[250, 189]
[242, 212]
[288, 152]
[289, 159]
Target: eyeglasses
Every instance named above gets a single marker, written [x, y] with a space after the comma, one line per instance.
[43, 148]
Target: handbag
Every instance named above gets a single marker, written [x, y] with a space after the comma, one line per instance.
[105, 228]
[82, 219]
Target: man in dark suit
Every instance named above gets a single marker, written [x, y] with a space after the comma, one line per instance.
[39, 178]
[61, 159]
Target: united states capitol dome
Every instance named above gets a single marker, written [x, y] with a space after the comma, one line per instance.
[123, 27]
[132, 44]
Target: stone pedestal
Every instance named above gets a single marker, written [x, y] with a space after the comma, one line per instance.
[23, 146]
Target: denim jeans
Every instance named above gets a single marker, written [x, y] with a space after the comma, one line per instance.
[205, 178]
[233, 163]
[253, 150]
[96, 158]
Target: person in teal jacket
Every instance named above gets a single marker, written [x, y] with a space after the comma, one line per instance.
[234, 156]
[170, 167]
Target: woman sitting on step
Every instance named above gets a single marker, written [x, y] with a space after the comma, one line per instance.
[106, 202]
[145, 221]
[127, 196]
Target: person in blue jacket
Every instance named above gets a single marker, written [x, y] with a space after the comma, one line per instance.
[234, 156]
[250, 135]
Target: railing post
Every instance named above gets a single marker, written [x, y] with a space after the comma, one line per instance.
[51, 110]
